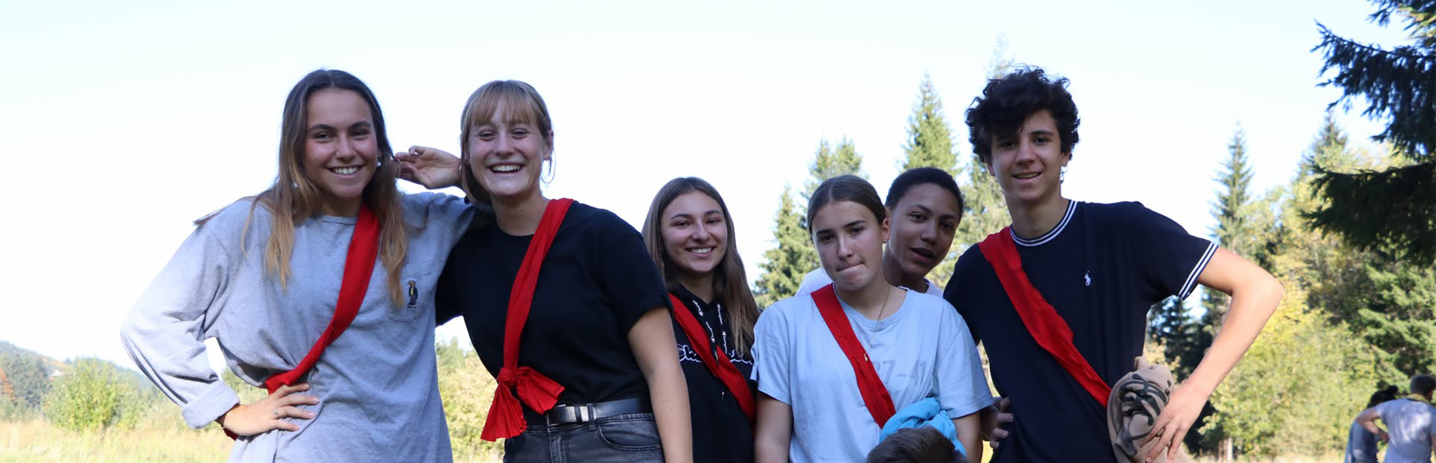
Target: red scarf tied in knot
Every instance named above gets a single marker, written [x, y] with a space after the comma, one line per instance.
[506, 418]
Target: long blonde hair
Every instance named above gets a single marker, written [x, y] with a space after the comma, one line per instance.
[294, 197]
[730, 281]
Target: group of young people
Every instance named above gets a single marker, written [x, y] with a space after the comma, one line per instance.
[577, 314]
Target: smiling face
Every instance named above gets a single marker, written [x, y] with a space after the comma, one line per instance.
[1028, 165]
[506, 154]
[923, 223]
[341, 151]
[695, 236]
[849, 239]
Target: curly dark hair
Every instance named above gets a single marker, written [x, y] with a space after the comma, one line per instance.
[1007, 102]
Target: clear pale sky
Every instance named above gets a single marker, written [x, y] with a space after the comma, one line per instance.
[124, 121]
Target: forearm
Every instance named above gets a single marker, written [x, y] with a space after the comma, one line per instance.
[1367, 421]
[669, 393]
[773, 430]
[771, 448]
[1252, 304]
[968, 433]
[652, 340]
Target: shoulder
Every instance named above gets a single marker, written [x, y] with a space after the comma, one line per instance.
[232, 221]
[782, 312]
[421, 208]
[813, 280]
[1125, 210]
[970, 260]
[930, 306]
[429, 200]
[591, 218]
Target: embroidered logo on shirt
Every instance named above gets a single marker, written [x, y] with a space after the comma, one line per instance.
[1087, 277]
[413, 294]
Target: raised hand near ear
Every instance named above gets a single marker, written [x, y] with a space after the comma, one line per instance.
[431, 167]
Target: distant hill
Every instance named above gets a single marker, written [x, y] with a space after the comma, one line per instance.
[26, 377]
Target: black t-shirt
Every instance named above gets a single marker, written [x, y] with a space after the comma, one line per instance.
[1101, 268]
[721, 432]
[595, 283]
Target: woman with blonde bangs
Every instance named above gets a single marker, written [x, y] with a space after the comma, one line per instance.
[287, 282]
[690, 236]
[561, 301]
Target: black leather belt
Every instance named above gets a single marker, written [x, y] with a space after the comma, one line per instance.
[583, 413]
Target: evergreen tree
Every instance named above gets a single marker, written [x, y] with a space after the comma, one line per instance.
[930, 145]
[985, 208]
[785, 265]
[929, 137]
[1232, 231]
[1297, 388]
[829, 162]
[1395, 207]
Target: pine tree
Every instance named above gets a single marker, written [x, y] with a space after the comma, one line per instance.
[829, 162]
[785, 265]
[930, 145]
[1232, 231]
[985, 207]
[929, 137]
[1395, 207]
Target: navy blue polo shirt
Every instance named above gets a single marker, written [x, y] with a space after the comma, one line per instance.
[1102, 267]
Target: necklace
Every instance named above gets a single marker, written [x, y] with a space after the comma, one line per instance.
[886, 297]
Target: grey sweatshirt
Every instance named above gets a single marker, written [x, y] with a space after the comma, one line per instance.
[377, 383]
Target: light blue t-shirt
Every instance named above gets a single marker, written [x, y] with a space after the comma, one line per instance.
[1411, 424]
[921, 350]
[816, 279]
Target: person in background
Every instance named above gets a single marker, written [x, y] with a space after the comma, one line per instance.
[1410, 433]
[1360, 443]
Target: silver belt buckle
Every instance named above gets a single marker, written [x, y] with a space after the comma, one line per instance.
[585, 413]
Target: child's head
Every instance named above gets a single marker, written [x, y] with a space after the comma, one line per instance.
[916, 445]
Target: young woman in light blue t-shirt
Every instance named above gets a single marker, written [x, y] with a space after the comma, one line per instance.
[810, 407]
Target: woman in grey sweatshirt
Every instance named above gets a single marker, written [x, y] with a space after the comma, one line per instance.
[262, 277]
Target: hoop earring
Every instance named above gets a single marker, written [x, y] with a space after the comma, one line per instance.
[551, 172]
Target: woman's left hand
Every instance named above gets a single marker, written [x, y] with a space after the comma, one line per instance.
[1175, 420]
[431, 167]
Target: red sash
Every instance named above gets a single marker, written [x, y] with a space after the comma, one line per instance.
[358, 269]
[1042, 321]
[506, 417]
[721, 366]
[875, 394]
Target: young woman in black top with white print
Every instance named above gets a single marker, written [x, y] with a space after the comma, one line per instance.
[689, 234]
[593, 366]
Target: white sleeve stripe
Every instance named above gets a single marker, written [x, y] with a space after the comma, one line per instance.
[1191, 282]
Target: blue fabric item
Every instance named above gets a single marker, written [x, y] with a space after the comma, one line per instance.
[925, 412]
